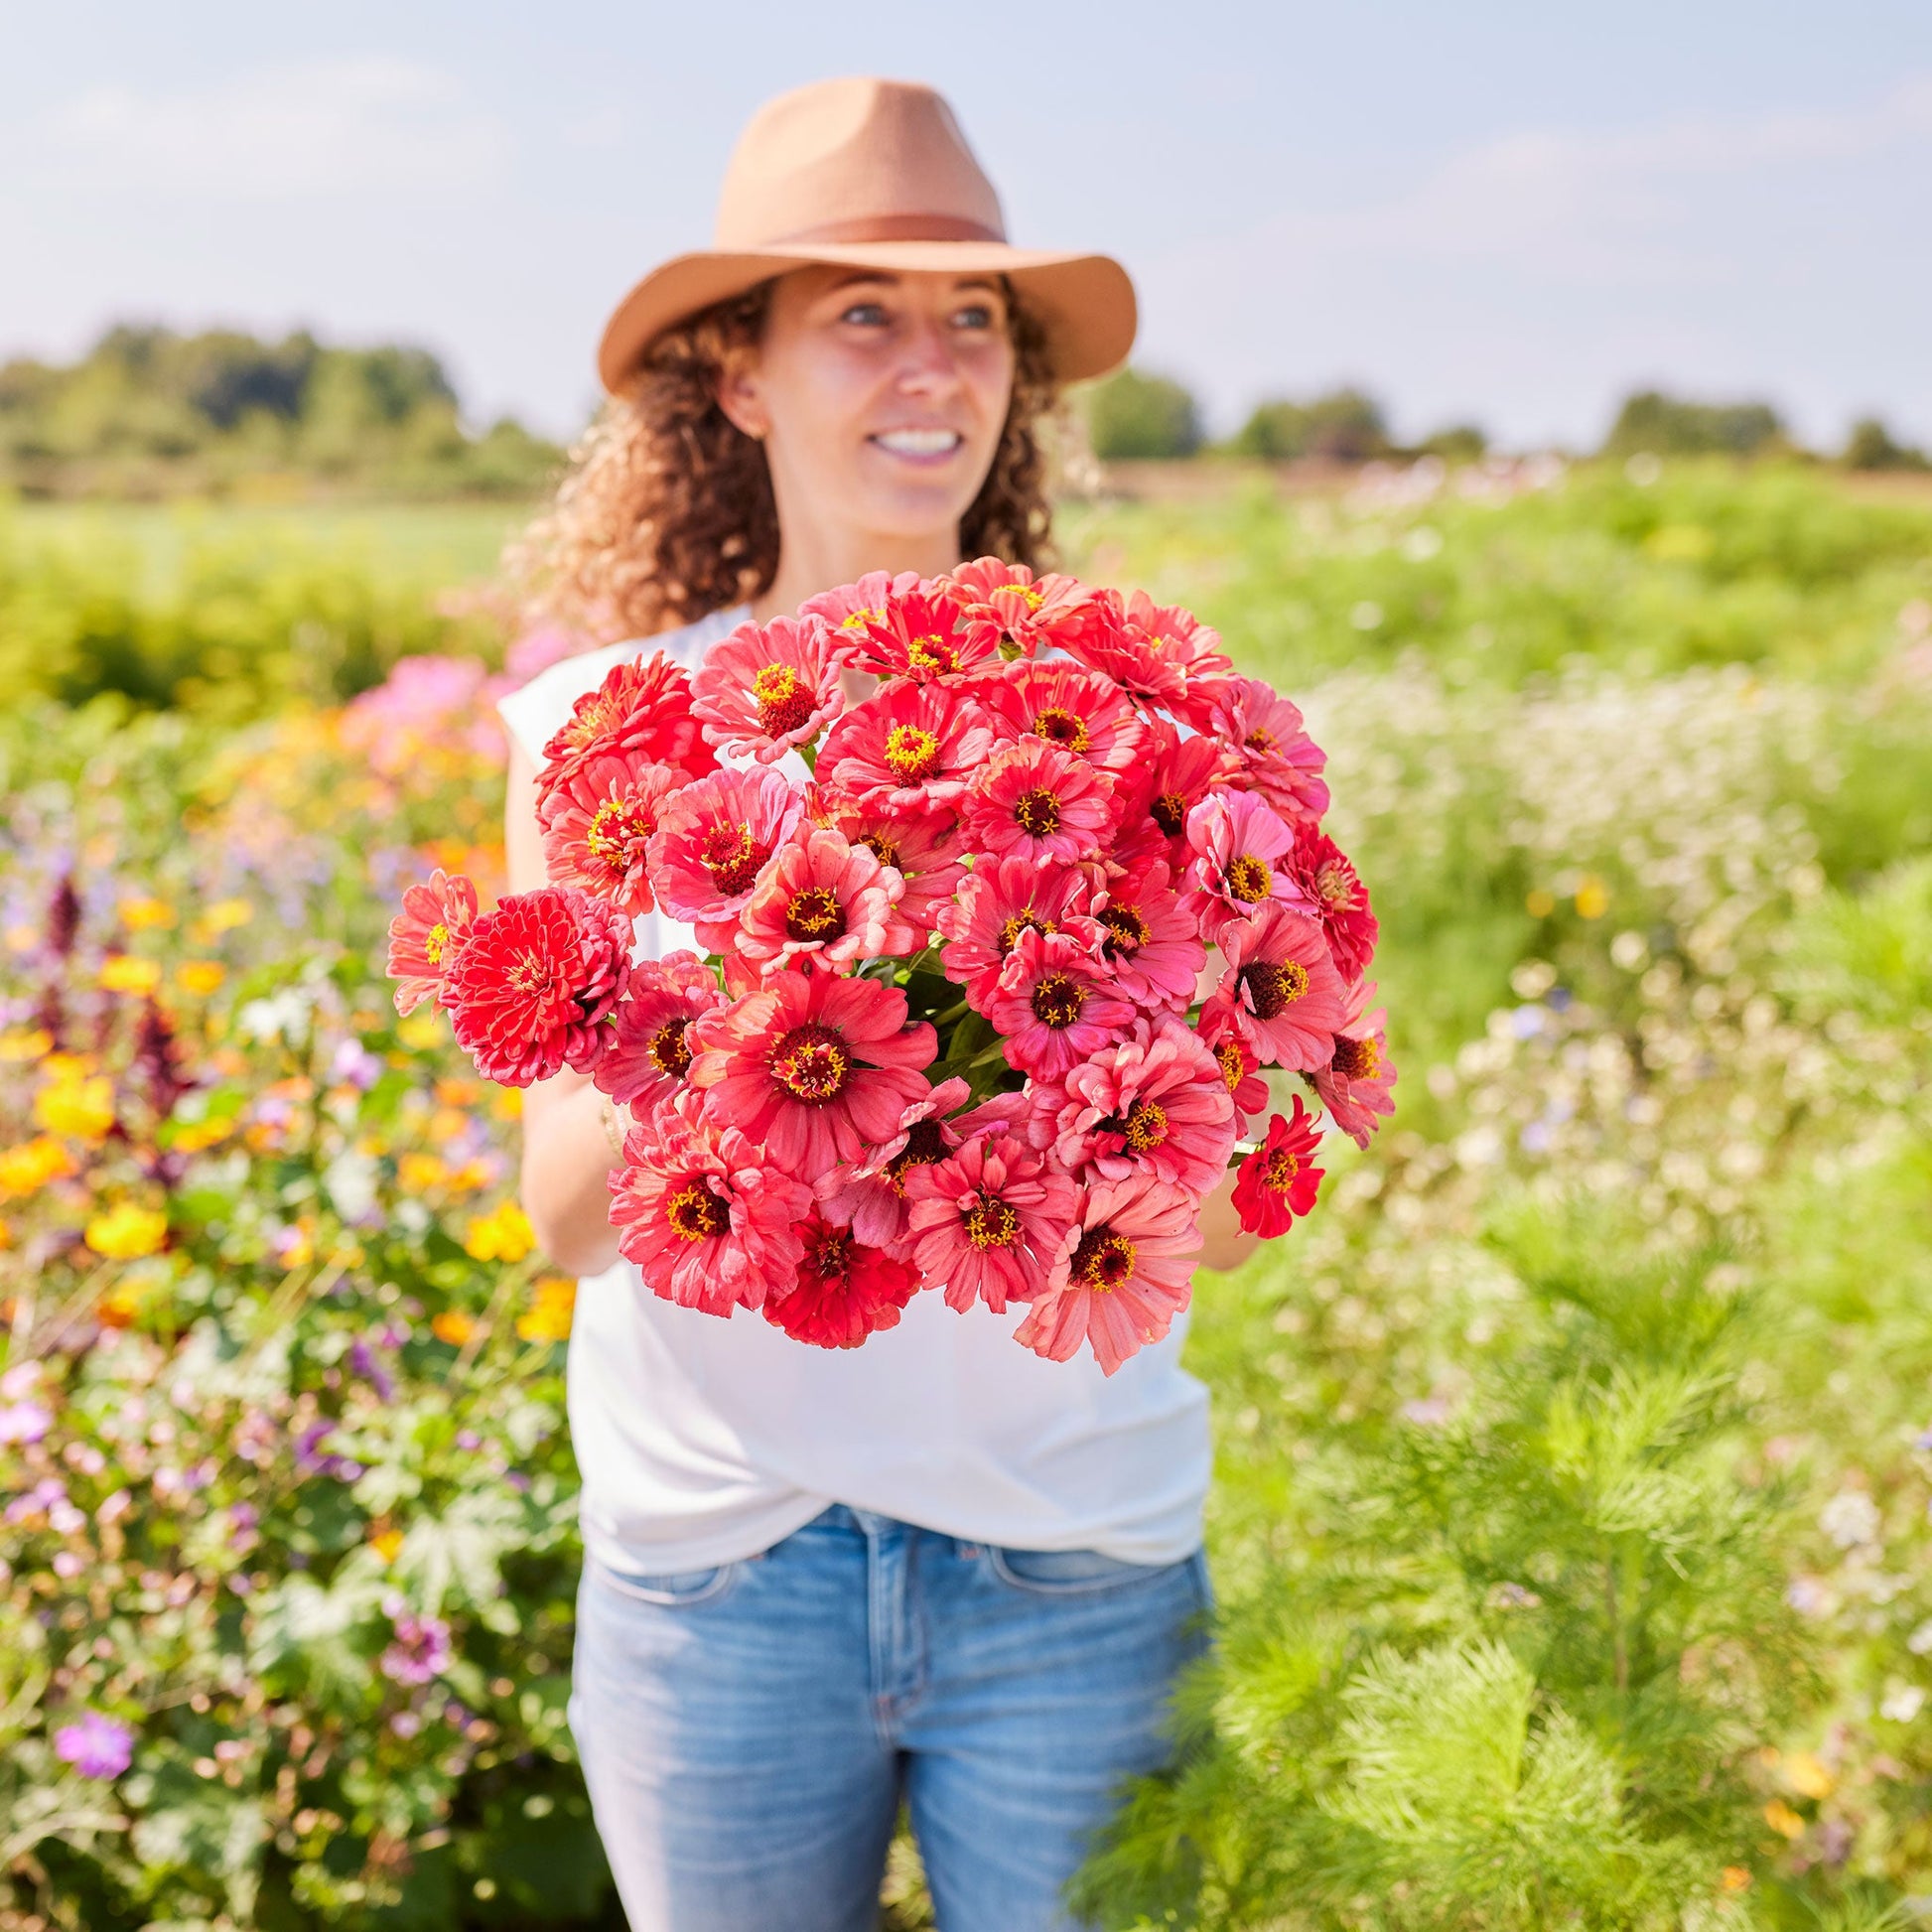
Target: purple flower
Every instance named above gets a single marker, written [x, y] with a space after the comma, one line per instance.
[311, 1459]
[355, 1063]
[361, 1358]
[97, 1747]
[24, 1421]
[421, 1650]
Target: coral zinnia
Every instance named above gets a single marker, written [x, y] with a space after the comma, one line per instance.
[533, 982]
[907, 748]
[814, 1069]
[709, 1224]
[1240, 1069]
[1278, 759]
[1009, 612]
[919, 637]
[713, 844]
[1355, 1083]
[871, 1194]
[1281, 995]
[998, 901]
[1277, 1181]
[1035, 802]
[1238, 842]
[597, 818]
[844, 1289]
[988, 1220]
[424, 936]
[1335, 888]
[641, 711]
[1056, 1004]
[1123, 1276]
[922, 847]
[647, 1061]
[1155, 1103]
[768, 686]
[1151, 940]
[824, 902]
[1087, 716]
[1174, 776]
[847, 611]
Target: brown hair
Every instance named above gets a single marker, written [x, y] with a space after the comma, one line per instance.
[667, 512]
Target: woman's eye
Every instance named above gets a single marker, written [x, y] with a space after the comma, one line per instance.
[976, 316]
[868, 315]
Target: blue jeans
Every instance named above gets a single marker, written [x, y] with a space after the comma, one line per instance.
[748, 1733]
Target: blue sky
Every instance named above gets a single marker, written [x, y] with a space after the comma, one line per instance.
[1490, 210]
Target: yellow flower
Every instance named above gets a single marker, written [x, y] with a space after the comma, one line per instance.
[300, 1249]
[193, 1136]
[1806, 1777]
[1783, 1819]
[119, 973]
[417, 1173]
[201, 976]
[81, 1109]
[386, 1543]
[503, 1234]
[28, 1167]
[117, 1309]
[1540, 905]
[447, 1122]
[22, 1043]
[507, 1103]
[140, 914]
[126, 1232]
[1593, 899]
[553, 1301]
[420, 1031]
[1735, 1878]
[225, 915]
[6, 1236]
[453, 1326]
[467, 1179]
[22, 938]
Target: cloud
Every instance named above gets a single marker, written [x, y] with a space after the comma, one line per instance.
[329, 127]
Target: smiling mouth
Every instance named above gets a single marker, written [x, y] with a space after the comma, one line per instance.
[921, 445]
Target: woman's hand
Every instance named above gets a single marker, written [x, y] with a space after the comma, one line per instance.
[1225, 1244]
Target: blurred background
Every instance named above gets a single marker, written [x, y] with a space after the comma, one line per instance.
[1539, 396]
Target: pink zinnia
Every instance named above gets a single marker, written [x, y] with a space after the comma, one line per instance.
[713, 844]
[641, 712]
[531, 985]
[843, 1290]
[768, 686]
[1278, 1181]
[1009, 612]
[1154, 1103]
[1037, 802]
[1156, 651]
[847, 610]
[824, 903]
[1123, 1277]
[1354, 1085]
[647, 1061]
[814, 1069]
[1174, 776]
[1332, 886]
[1240, 1069]
[1281, 994]
[1151, 941]
[870, 1194]
[906, 748]
[997, 900]
[1238, 844]
[987, 1221]
[1084, 715]
[917, 638]
[1055, 1004]
[708, 1222]
[923, 848]
[596, 819]
[1103, 641]
[424, 936]
[1278, 759]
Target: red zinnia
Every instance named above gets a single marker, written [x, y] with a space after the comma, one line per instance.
[814, 1069]
[642, 711]
[1150, 939]
[1156, 651]
[997, 900]
[597, 818]
[423, 937]
[1174, 776]
[1281, 995]
[1056, 1004]
[917, 638]
[1354, 1085]
[1007, 611]
[844, 1289]
[922, 847]
[1084, 715]
[647, 1062]
[1278, 759]
[1035, 802]
[713, 844]
[1238, 843]
[824, 903]
[1335, 888]
[1123, 1276]
[768, 686]
[907, 748]
[988, 1220]
[1277, 1181]
[533, 983]
[708, 1223]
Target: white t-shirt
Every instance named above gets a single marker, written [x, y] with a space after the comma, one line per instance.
[702, 1441]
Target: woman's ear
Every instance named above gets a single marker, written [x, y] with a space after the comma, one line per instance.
[741, 397]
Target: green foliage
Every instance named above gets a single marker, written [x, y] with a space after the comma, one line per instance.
[1870, 447]
[1667, 426]
[1343, 426]
[1132, 414]
[149, 412]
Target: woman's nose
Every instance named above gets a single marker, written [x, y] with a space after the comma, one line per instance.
[929, 366]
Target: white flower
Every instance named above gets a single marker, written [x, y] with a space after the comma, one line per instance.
[1850, 1518]
[1901, 1703]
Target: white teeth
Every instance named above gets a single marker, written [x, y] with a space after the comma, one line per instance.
[918, 442]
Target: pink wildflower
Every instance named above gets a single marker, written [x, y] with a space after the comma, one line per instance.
[713, 844]
[1084, 715]
[824, 903]
[1238, 843]
[997, 900]
[1151, 941]
[1277, 1183]
[426, 934]
[768, 686]
[1037, 802]
[647, 1062]
[844, 1289]
[1280, 995]
[1335, 888]
[906, 748]
[597, 820]
[1278, 759]
[1055, 1004]
[987, 1221]
[641, 712]
[1354, 1084]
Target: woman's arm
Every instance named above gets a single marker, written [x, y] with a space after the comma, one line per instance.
[566, 1151]
[1225, 1244]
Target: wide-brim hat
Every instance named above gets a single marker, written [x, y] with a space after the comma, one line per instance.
[872, 173]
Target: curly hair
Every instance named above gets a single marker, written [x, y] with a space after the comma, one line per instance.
[667, 512]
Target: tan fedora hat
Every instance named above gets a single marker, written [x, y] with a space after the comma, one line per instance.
[874, 174]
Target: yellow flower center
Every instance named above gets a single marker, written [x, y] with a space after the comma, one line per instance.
[730, 854]
[784, 701]
[435, 942]
[913, 753]
[1027, 921]
[814, 914]
[1057, 1001]
[991, 1223]
[813, 1064]
[1249, 878]
[1170, 812]
[668, 1050]
[1127, 930]
[1064, 728]
[1039, 813]
[1103, 1260]
[1274, 986]
[695, 1213]
[1146, 1126]
[1356, 1059]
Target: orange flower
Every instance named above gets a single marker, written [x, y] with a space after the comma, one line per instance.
[201, 977]
[19, 1044]
[553, 1301]
[1735, 1878]
[28, 1167]
[1783, 1819]
[453, 1326]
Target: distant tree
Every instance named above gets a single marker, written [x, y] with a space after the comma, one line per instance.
[1667, 426]
[1133, 414]
[1459, 443]
[1870, 447]
[1343, 426]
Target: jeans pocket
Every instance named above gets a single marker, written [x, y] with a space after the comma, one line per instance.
[679, 1590]
[1068, 1573]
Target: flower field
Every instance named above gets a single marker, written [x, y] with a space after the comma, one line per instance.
[1571, 1517]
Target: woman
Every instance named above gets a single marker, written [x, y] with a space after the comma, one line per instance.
[936, 1568]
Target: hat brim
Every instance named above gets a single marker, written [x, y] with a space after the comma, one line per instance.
[1085, 303]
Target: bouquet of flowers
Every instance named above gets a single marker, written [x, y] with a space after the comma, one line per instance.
[993, 957]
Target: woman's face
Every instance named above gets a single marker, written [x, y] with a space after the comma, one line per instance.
[880, 397]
